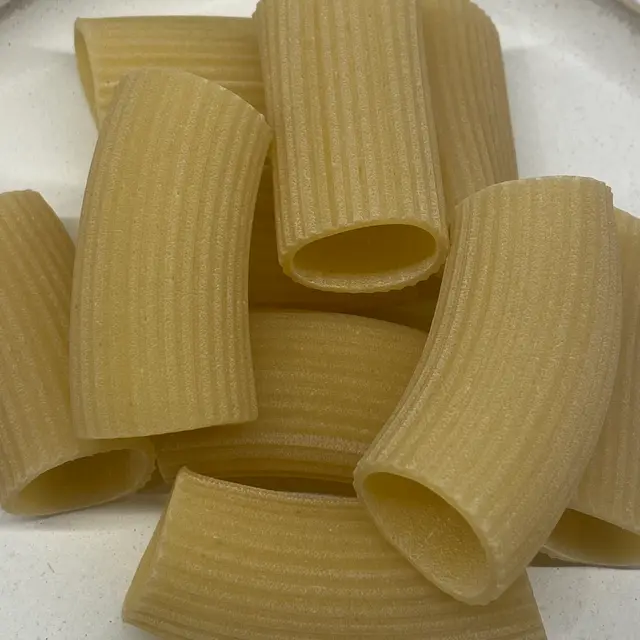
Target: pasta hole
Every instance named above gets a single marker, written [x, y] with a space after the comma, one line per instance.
[366, 257]
[81, 483]
[429, 532]
[584, 538]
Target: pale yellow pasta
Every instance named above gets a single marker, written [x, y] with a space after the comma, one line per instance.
[326, 383]
[487, 446]
[298, 485]
[159, 324]
[221, 49]
[270, 287]
[156, 483]
[469, 95]
[229, 561]
[44, 467]
[603, 525]
[358, 185]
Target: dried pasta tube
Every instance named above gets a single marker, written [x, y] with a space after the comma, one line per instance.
[159, 325]
[358, 185]
[229, 561]
[469, 94]
[221, 49]
[486, 448]
[270, 287]
[603, 525]
[44, 467]
[326, 384]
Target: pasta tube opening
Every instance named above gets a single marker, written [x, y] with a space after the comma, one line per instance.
[270, 287]
[582, 538]
[402, 502]
[358, 257]
[82, 482]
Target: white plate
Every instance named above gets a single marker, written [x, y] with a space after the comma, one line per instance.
[574, 79]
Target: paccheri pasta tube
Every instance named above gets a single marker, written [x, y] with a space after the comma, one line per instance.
[469, 94]
[44, 467]
[229, 561]
[603, 525]
[326, 384]
[488, 444]
[159, 325]
[221, 49]
[358, 185]
[270, 287]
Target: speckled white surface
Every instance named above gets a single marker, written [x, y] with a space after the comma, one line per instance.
[574, 78]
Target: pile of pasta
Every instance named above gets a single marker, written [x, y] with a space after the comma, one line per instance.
[310, 292]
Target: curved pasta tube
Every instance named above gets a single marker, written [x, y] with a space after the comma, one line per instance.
[487, 446]
[326, 383]
[358, 185]
[159, 324]
[229, 561]
[44, 467]
[603, 525]
[469, 95]
[218, 48]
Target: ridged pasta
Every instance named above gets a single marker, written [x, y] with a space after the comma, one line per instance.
[358, 185]
[229, 561]
[159, 324]
[488, 444]
[603, 525]
[44, 467]
[326, 383]
[270, 287]
[469, 95]
[221, 49]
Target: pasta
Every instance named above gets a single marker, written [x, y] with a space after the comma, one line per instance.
[270, 287]
[221, 49]
[469, 94]
[159, 325]
[603, 525]
[298, 485]
[325, 382]
[358, 185]
[487, 446]
[228, 561]
[44, 468]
